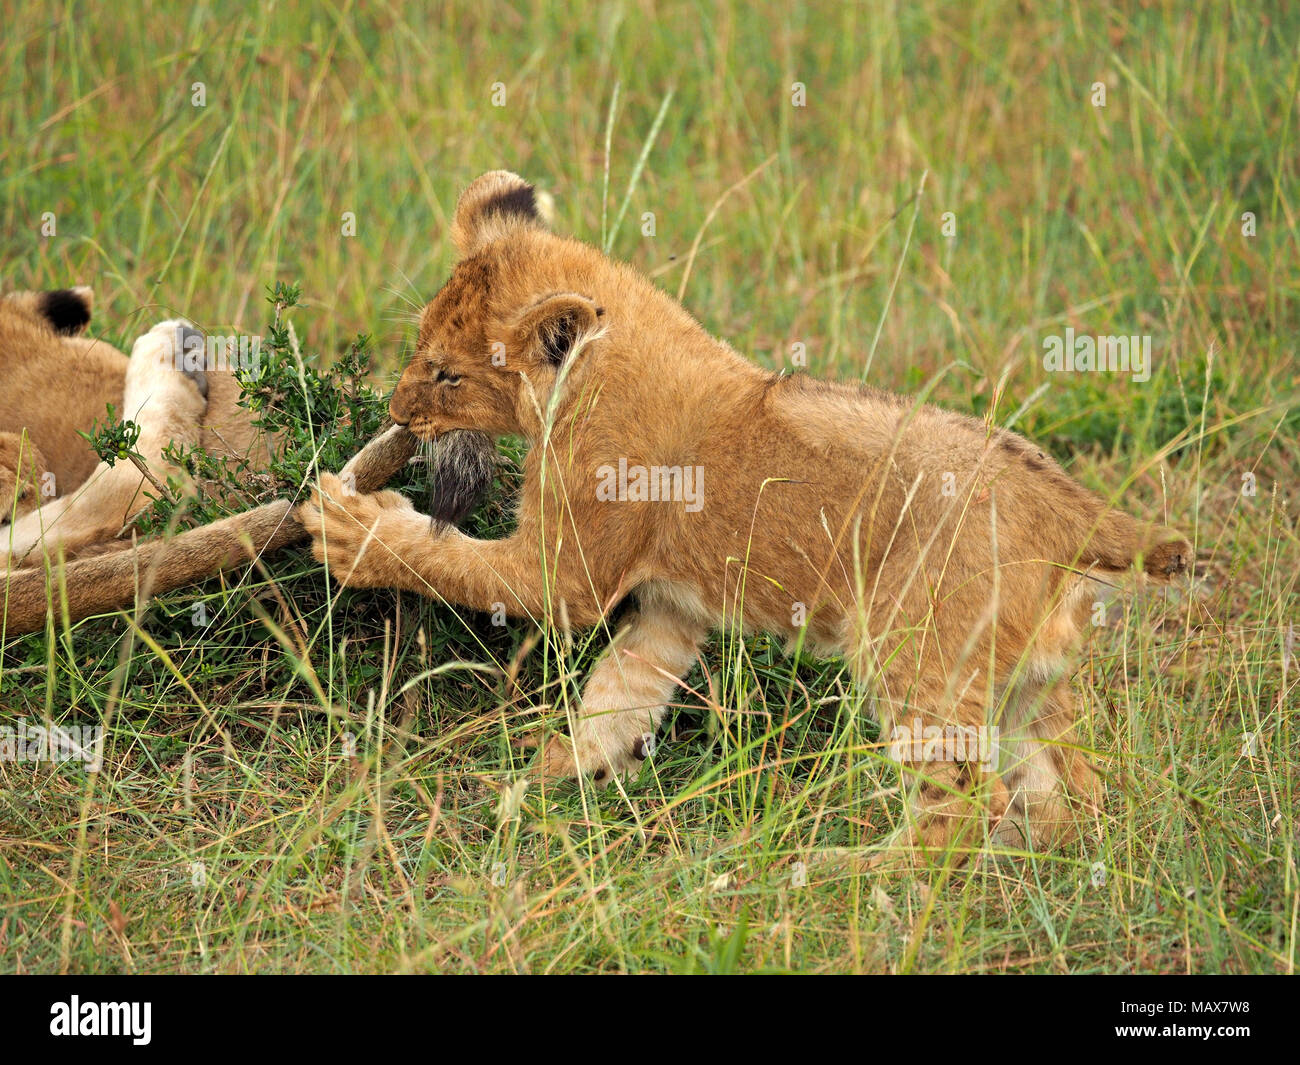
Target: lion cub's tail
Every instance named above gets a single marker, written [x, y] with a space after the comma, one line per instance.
[1117, 542]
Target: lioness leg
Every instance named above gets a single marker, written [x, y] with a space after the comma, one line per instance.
[627, 694]
[167, 404]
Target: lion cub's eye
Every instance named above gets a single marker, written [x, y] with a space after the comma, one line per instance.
[445, 378]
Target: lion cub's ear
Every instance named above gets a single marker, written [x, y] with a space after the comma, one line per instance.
[67, 309]
[548, 331]
[492, 206]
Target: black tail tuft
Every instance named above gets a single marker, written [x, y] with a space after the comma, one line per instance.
[1168, 559]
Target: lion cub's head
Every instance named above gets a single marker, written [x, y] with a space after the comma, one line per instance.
[508, 325]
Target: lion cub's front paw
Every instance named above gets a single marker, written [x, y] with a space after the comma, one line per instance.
[360, 536]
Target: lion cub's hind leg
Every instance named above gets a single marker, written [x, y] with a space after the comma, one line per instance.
[1052, 787]
[168, 404]
[946, 756]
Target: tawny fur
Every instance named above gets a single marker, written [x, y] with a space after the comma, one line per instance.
[951, 563]
[55, 382]
[123, 578]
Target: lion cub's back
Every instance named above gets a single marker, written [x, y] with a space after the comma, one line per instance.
[946, 470]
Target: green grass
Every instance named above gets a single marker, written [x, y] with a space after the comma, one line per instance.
[342, 765]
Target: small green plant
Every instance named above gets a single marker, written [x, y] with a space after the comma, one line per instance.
[113, 439]
[319, 415]
[322, 417]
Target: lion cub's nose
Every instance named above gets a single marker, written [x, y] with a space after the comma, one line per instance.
[399, 408]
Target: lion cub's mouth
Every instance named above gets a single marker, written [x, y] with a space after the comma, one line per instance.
[424, 428]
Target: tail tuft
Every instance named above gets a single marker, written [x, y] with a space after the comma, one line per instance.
[1119, 541]
[1168, 559]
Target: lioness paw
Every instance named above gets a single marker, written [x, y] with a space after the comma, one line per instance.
[174, 354]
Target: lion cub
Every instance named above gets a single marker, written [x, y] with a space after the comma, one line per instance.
[952, 564]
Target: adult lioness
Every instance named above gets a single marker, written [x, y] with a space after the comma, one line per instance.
[952, 563]
[55, 382]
